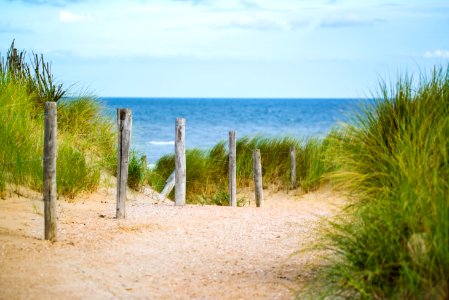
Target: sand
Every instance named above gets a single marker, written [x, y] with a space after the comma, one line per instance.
[161, 251]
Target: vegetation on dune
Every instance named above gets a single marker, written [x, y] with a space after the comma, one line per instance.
[86, 141]
[394, 162]
[137, 171]
[207, 171]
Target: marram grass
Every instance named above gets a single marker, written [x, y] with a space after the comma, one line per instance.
[394, 163]
[207, 171]
[86, 140]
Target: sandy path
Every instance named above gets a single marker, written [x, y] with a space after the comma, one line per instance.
[160, 251]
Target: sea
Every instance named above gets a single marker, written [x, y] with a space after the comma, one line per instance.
[209, 120]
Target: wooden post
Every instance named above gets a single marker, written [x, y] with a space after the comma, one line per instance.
[50, 129]
[124, 124]
[293, 166]
[169, 185]
[180, 162]
[258, 187]
[232, 169]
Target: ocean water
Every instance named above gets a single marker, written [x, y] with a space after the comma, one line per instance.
[208, 121]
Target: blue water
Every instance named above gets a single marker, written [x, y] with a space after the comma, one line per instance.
[208, 121]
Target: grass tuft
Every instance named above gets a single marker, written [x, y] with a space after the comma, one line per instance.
[394, 163]
[86, 140]
[136, 171]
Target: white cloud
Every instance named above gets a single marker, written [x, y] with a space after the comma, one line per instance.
[349, 20]
[68, 17]
[437, 54]
[255, 23]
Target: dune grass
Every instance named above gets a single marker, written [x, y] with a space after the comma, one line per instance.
[394, 163]
[86, 141]
[137, 171]
[207, 171]
[20, 136]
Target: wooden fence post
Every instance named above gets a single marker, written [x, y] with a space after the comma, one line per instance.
[293, 166]
[50, 130]
[180, 162]
[169, 185]
[232, 169]
[124, 124]
[258, 187]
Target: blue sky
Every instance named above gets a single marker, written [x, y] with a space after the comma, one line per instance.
[229, 48]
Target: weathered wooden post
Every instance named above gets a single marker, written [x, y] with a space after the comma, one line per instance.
[49, 166]
[258, 187]
[293, 166]
[124, 124]
[180, 162]
[232, 169]
[169, 185]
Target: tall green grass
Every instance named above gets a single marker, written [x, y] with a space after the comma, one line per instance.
[21, 138]
[83, 124]
[394, 163]
[137, 171]
[207, 171]
[86, 141]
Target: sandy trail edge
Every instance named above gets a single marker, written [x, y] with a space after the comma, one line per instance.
[160, 251]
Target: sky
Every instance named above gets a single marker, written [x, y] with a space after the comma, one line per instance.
[229, 48]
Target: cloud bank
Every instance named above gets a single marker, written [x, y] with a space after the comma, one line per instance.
[68, 17]
[437, 54]
[348, 21]
[47, 2]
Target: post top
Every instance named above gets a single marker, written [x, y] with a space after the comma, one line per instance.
[50, 104]
[180, 121]
[123, 112]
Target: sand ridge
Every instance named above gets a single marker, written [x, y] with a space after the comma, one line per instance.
[160, 251]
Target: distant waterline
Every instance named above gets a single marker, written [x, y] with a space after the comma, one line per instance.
[208, 121]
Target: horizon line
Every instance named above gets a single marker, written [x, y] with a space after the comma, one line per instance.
[240, 98]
